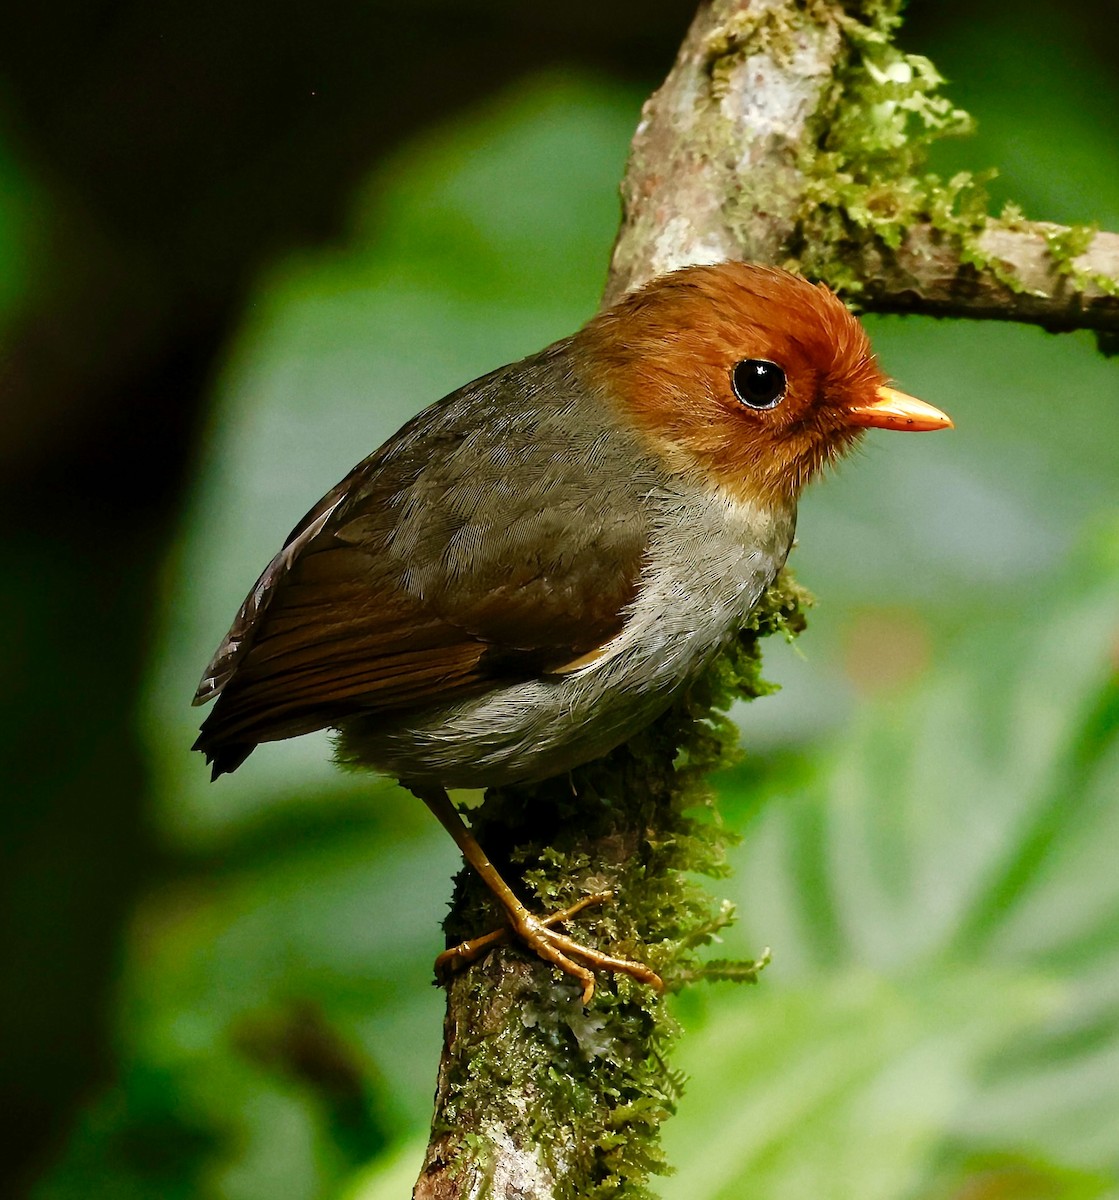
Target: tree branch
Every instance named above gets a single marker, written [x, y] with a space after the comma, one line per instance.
[789, 132]
[724, 129]
[1029, 281]
[538, 1097]
[797, 134]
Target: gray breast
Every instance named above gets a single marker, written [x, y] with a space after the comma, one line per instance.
[710, 558]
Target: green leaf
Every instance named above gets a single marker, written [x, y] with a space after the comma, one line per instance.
[942, 901]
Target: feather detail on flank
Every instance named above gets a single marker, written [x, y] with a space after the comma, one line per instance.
[710, 558]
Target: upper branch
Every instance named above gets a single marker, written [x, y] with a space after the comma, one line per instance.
[1021, 276]
[796, 134]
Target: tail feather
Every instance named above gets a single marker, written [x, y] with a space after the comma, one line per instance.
[223, 758]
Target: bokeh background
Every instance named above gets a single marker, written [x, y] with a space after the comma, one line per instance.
[239, 245]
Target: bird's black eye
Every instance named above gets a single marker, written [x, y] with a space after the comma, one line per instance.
[758, 383]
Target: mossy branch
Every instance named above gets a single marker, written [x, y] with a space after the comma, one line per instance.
[539, 1097]
[796, 132]
[792, 132]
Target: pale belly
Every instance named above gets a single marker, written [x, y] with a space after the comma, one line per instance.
[709, 561]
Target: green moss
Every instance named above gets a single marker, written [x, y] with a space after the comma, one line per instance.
[867, 181]
[584, 1090]
[773, 31]
[866, 177]
[863, 177]
[1068, 243]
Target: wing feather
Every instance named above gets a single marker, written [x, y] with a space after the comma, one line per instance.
[472, 549]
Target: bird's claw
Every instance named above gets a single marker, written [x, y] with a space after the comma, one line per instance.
[538, 934]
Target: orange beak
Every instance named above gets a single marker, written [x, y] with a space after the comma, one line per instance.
[896, 410]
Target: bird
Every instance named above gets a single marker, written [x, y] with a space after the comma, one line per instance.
[532, 569]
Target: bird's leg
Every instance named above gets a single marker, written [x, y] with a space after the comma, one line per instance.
[535, 932]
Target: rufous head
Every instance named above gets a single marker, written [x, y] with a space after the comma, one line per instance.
[752, 375]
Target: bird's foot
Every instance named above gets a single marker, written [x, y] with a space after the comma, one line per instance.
[540, 936]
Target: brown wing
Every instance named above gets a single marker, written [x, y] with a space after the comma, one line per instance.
[473, 548]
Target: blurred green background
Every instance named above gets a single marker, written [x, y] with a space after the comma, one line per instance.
[237, 249]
